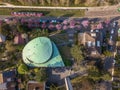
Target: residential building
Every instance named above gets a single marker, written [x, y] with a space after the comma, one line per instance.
[34, 85]
[7, 79]
[2, 38]
[92, 41]
[21, 39]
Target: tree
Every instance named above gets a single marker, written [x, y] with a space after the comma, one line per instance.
[76, 2]
[4, 29]
[106, 76]
[58, 26]
[82, 83]
[9, 46]
[94, 74]
[41, 75]
[39, 32]
[107, 53]
[53, 87]
[86, 85]
[77, 53]
[20, 28]
[117, 58]
[22, 69]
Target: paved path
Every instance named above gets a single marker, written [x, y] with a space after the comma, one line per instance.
[101, 13]
[7, 5]
[90, 12]
[105, 11]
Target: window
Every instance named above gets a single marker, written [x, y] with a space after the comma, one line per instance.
[9, 79]
[110, 37]
[112, 31]
[93, 34]
[93, 43]
[89, 43]
[93, 52]
[97, 30]
[98, 43]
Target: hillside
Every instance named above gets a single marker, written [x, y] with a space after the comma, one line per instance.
[62, 2]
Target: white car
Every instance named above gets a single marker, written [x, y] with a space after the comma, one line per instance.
[111, 37]
[115, 24]
[112, 31]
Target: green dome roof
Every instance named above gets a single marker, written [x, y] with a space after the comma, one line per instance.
[38, 50]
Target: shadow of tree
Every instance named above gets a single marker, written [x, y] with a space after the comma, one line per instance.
[44, 12]
[68, 15]
[82, 19]
[95, 20]
[114, 19]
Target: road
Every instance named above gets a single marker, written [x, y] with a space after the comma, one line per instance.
[7, 5]
[90, 12]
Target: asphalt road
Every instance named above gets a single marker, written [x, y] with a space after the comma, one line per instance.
[7, 5]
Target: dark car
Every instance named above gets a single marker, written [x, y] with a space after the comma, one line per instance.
[115, 24]
[56, 21]
[44, 21]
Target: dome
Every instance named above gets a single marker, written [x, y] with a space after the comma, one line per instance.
[38, 50]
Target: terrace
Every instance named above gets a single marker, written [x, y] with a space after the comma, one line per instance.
[33, 85]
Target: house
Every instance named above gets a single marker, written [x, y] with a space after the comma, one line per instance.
[2, 38]
[21, 39]
[7, 80]
[34, 85]
[92, 41]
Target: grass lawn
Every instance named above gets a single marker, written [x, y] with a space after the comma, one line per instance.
[65, 53]
[117, 72]
[64, 13]
[64, 50]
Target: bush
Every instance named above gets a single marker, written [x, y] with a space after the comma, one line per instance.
[22, 69]
[41, 75]
[67, 62]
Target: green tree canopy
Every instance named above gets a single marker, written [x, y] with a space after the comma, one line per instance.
[4, 29]
[107, 53]
[20, 28]
[22, 69]
[106, 76]
[77, 53]
[38, 32]
[117, 58]
[9, 46]
[41, 74]
[94, 73]
[62, 2]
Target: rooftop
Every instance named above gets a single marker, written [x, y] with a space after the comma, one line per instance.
[33, 85]
[41, 52]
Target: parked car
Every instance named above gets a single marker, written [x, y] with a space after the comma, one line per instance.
[44, 21]
[115, 24]
[56, 21]
[112, 31]
[111, 37]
